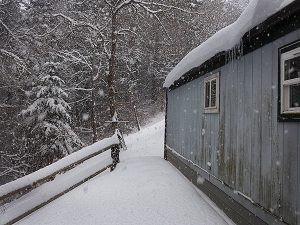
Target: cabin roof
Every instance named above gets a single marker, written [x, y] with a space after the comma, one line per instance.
[262, 21]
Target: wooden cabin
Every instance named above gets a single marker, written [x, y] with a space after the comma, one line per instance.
[233, 119]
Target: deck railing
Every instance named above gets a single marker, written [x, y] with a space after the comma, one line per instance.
[11, 192]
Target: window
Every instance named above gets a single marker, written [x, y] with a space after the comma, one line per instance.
[211, 94]
[290, 80]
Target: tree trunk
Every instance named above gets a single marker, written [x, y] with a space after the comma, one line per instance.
[112, 70]
[93, 100]
[135, 110]
[137, 118]
[93, 113]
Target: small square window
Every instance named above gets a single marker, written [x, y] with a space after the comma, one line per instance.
[211, 94]
[290, 81]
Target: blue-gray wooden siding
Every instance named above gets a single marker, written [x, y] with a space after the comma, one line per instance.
[247, 147]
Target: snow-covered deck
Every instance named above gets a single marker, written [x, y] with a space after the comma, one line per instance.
[144, 189]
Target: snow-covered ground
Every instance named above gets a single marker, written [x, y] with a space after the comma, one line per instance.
[144, 189]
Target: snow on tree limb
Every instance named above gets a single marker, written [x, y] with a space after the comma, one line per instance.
[76, 23]
[171, 7]
[146, 6]
[14, 56]
[126, 31]
[74, 56]
[8, 106]
[10, 32]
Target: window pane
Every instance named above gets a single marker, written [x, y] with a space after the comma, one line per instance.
[207, 94]
[213, 93]
[292, 68]
[295, 96]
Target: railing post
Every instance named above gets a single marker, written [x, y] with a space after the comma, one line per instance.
[115, 155]
[115, 150]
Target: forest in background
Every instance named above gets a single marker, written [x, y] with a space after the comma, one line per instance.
[67, 66]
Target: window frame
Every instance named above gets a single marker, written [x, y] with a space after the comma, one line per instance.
[287, 113]
[210, 79]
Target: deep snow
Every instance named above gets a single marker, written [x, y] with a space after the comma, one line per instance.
[144, 189]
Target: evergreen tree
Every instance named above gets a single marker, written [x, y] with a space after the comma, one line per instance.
[50, 136]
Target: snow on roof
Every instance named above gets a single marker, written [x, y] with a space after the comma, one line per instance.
[256, 12]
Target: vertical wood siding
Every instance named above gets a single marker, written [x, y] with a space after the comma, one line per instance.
[247, 147]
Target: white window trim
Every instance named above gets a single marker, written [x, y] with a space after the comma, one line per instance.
[285, 85]
[210, 78]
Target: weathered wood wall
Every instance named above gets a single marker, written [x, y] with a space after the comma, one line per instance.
[247, 147]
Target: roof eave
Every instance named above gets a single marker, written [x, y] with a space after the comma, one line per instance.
[279, 24]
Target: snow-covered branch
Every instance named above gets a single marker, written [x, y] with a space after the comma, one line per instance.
[80, 89]
[76, 23]
[74, 56]
[78, 101]
[146, 5]
[8, 106]
[18, 60]
[121, 5]
[165, 6]
[125, 31]
[9, 31]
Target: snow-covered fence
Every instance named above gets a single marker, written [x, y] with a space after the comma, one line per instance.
[20, 187]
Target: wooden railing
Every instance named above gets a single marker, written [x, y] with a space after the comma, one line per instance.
[16, 189]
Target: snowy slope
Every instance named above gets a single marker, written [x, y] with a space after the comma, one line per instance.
[144, 189]
[256, 12]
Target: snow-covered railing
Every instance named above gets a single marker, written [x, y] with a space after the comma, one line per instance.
[21, 186]
[24, 196]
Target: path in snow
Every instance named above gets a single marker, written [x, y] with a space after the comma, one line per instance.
[144, 189]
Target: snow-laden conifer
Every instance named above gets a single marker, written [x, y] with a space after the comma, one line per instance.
[49, 134]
